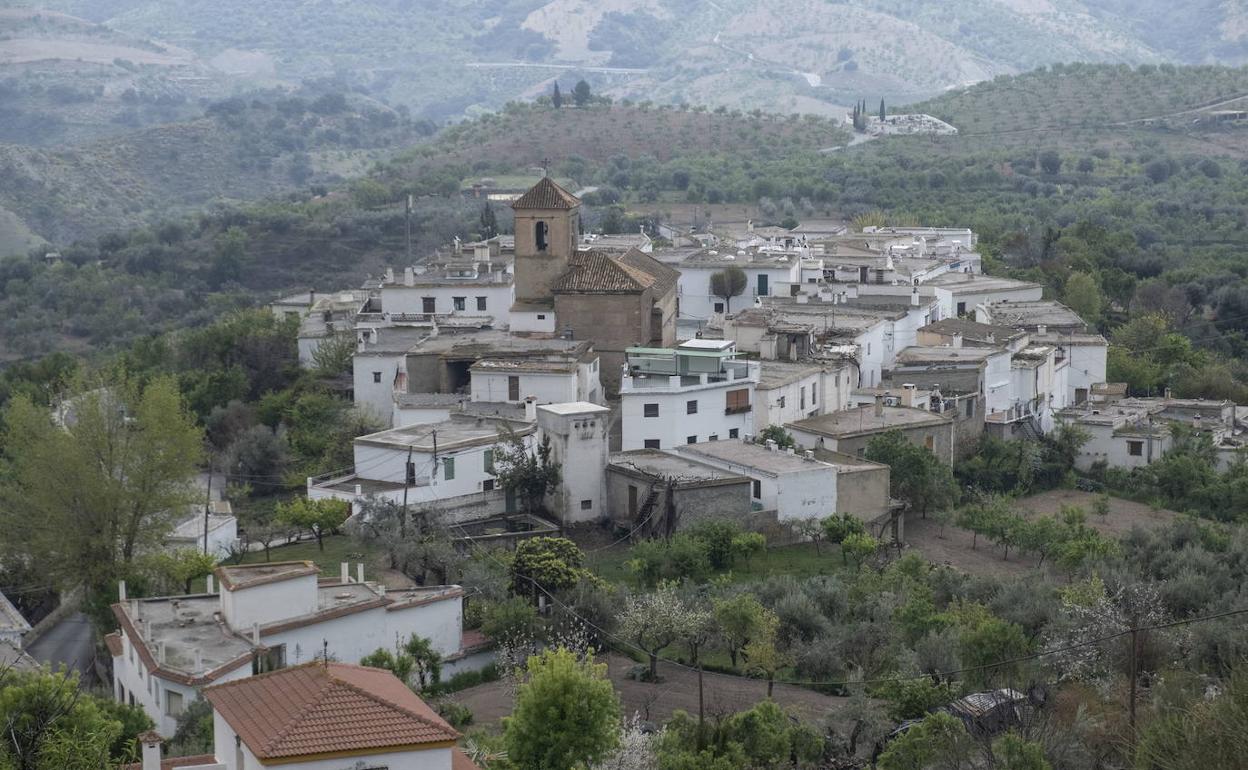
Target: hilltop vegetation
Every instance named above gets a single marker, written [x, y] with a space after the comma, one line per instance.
[241, 149]
[449, 58]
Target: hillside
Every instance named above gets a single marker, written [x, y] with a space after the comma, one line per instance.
[240, 150]
[446, 58]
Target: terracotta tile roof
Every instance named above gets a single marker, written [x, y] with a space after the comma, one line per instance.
[175, 762]
[113, 642]
[665, 276]
[598, 272]
[317, 708]
[546, 195]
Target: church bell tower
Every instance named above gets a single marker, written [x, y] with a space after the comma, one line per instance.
[547, 231]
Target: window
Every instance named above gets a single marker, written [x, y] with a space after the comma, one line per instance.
[861, 451]
[813, 391]
[757, 490]
[737, 401]
[173, 703]
[376, 376]
[488, 458]
[802, 394]
[929, 442]
[868, 348]
[513, 387]
[691, 439]
[411, 474]
[487, 485]
[650, 410]
[509, 501]
[713, 437]
[970, 407]
[1135, 448]
[632, 500]
[961, 308]
[121, 693]
[448, 468]
[762, 285]
[541, 316]
[691, 407]
[719, 307]
[734, 432]
[427, 304]
[270, 659]
[587, 505]
[459, 303]
[480, 303]
[540, 232]
[781, 402]
[155, 691]
[651, 443]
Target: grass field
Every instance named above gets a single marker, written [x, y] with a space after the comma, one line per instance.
[338, 548]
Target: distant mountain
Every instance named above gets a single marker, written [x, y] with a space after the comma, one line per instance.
[445, 58]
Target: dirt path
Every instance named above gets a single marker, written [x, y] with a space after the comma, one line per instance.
[954, 546]
[723, 694]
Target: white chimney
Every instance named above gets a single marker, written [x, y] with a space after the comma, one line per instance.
[359, 572]
[1041, 329]
[907, 394]
[359, 490]
[409, 276]
[255, 634]
[530, 408]
[914, 297]
[151, 741]
[879, 404]
[121, 590]
[212, 587]
[389, 275]
[771, 445]
[345, 570]
[957, 340]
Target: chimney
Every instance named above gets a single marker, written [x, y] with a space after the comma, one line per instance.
[389, 275]
[907, 394]
[345, 571]
[790, 451]
[879, 404]
[957, 340]
[771, 445]
[409, 276]
[255, 634]
[151, 741]
[359, 490]
[212, 588]
[121, 591]
[1041, 329]
[359, 572]
[914, 297]
[530, 408]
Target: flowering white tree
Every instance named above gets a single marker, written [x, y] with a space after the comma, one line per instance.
[638, 749]
[655, 621]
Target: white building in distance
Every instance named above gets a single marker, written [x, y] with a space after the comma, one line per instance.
[698, 391]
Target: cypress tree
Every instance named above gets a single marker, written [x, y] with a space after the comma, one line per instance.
[883, 114]
[557, 98]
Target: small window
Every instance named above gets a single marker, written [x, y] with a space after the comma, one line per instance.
[513, 387]
[540, 231]
[650, 410]
[541, 316]
[487, 485]
[480, 303]
[813, 391]
[691, 407]
[488, 456]
[757, 490]
[448, 468]
[930, 443]
[868, 348]
[691, 439]
[719, 307]
[1135, 448]
[713, 437]
[970, 407]
[427, 304]
[734, 433]
[860, 452]
[174, 705]
[780, 403]
[459, 303]
[376, 376]
[961, 308]
[651, 443]
[587, 505]
[802, 397]
[737, 401]
[411, 474]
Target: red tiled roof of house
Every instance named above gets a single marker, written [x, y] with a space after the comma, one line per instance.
[665, 276]
[546, 194]
[597, 272]
[319, 708]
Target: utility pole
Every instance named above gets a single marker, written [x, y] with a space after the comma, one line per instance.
[409, 228]
[208, 501]
[1135, 635]
[408, 473]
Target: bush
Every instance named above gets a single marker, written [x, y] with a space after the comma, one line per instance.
[457, 715]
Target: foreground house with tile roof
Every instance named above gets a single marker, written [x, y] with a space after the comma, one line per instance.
[266, 617]
[319, 716]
